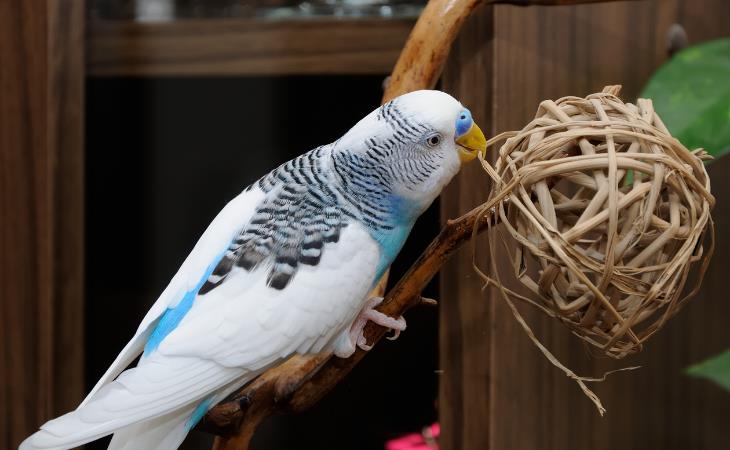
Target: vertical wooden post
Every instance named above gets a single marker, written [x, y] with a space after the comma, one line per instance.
[41, 212]
[464, 397]
[497, 391]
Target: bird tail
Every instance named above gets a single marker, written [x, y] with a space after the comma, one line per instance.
[162, 433]
[136, 424]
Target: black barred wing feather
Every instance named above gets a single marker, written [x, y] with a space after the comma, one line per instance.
[298, 216]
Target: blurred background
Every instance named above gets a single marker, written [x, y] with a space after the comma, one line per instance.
[125, 126]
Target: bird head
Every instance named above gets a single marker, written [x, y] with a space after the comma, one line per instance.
[413, 145]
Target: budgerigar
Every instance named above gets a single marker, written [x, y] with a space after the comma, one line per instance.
[285, 268]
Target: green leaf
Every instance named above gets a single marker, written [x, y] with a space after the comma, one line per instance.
[716, 369]
[691, 93]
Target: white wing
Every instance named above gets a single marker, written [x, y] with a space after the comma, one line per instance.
[245, 323]
[213, 241]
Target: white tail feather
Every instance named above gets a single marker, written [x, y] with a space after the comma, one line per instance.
[131, 432]
[163, 433]
[126, 356]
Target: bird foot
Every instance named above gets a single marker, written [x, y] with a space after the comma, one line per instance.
[355, 337]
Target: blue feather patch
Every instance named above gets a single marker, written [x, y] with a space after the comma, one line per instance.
[391, 243]
[198, 414]
[172, 317]
[403, 215]
[403, 210]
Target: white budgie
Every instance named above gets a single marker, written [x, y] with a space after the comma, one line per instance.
[284, 268]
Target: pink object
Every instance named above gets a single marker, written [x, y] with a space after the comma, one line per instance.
[427, 439]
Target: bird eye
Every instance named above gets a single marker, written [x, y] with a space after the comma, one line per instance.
[433, 140]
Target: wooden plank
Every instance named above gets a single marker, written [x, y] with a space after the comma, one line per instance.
[462, 319]
[548, 52]
[41, 219]
[246, 47]
[66, 117]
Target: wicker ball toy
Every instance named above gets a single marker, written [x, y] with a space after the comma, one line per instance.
[608, 214]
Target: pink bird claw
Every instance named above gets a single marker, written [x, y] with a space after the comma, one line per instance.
[363, 343]
[365, 346]
[355, 336]
[396, 331]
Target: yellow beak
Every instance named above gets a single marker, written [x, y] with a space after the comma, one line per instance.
[471, 144]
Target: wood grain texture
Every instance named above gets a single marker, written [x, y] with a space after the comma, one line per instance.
[464, 388]
[41, 218]
[537, 53]
[246, 47]
[422, 60]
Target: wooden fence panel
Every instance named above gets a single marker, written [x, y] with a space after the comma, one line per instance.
[497, 391]
[41, 215]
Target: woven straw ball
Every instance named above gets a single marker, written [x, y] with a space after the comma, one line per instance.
[608, 213]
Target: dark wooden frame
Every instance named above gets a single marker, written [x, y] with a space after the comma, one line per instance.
[246, 47]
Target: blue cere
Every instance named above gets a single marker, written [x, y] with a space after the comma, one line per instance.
[463, 123]
[172, 317]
